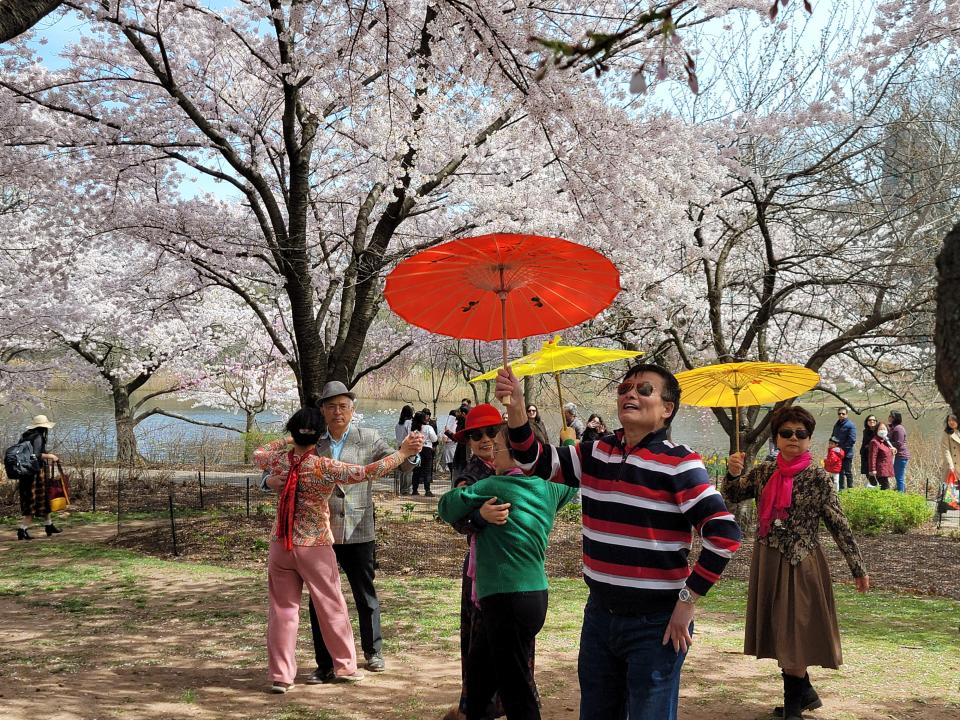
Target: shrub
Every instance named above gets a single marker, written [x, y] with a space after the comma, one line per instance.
[571, 512]
[875, 511]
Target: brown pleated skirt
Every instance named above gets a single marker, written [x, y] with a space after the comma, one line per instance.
[791, 615]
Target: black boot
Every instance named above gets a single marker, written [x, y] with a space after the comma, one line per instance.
[52, 529]
[23, 534]
[809, 700]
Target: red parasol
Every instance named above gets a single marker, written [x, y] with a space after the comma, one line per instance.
[502, 286]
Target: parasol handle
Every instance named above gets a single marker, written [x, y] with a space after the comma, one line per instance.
[563, 418]
[736, 420]
[503, 327]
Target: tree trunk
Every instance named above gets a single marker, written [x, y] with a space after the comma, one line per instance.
[127, 453]
[18, 16]
[947, 333]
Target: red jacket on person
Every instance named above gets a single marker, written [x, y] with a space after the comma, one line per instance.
[833, 463]
[880, 458]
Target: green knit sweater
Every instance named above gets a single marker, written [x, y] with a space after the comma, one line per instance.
[510, 557]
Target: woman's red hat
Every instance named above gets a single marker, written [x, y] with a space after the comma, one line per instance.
[483, 415]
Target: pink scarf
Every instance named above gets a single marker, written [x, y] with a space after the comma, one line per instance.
[778, 492]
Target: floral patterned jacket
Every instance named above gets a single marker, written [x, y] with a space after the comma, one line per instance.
[318, 476]
[814, 499]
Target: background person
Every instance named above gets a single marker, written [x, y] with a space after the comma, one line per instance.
[595, 428]
[880, 459]
[833, 462]
[846, 434]
[32, 489]
[791, 614]
[869, 431]
[300, 549]
[511, 582]
[423, 473]
[573, 421]
[950, 445]
[400, 431]
[898, 439]
[537, 425]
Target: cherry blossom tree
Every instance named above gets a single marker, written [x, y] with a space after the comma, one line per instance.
[351, 136]
[818, 248]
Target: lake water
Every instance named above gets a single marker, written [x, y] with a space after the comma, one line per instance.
[84, 419]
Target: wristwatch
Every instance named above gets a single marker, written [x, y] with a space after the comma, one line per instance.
[686, 596]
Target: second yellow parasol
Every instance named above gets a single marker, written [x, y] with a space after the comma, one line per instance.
[744, 384]
[553, 358]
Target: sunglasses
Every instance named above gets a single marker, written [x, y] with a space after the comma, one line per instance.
[490, 432]
[787, 433]
[644, 388]
[531, 410]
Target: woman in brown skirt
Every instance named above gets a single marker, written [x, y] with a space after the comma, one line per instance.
[791, 615]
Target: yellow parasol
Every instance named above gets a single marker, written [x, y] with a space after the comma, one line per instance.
[744, 384]
[554, 358]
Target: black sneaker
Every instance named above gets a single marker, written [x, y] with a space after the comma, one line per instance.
[52, 529]
[24, 534]
[428, 494]
[375, 662]
[319, 677]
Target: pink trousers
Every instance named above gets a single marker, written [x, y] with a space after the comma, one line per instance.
[287, 571]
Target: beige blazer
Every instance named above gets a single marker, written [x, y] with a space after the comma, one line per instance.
[950, 452]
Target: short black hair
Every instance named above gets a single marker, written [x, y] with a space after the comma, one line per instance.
[304, 425]
[792, 413]
[946, 423]
[671, 388]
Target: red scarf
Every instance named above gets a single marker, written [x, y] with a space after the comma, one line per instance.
[287, 504]
[778, 492]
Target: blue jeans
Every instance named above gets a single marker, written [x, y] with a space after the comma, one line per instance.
[900, 472]
[625, 669]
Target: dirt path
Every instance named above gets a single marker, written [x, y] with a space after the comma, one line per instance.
[158, 641]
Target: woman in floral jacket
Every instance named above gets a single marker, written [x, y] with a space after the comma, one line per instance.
[301, 550]
[791, 615]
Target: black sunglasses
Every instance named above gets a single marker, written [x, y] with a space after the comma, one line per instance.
[490, 432]
[787, 433]
[644, 388]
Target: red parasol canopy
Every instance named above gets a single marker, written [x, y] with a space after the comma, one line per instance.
[502, 286]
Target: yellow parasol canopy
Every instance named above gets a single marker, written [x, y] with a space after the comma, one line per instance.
[744, 384]
[554, 357]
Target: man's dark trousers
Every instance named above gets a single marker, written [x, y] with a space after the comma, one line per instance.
[846, 472]
[358, 562]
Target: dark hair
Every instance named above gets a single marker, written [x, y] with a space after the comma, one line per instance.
[867, 419]
[897, 417]
[426, 412]
[418, 420]
[946, 423]
[406, 413]
[671, 388]
[792, 413]
[304, 425]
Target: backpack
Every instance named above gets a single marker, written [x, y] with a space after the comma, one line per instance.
[20, 461]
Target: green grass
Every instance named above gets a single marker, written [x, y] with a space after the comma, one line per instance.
[123, 593]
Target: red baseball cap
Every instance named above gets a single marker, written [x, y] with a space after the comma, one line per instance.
[484, 415]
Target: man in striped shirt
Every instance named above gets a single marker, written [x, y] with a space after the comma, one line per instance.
[642, 497]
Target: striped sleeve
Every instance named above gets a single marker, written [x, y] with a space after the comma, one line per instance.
[534, 458]
[705, 510]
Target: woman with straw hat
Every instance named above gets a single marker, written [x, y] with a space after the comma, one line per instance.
[34, 501]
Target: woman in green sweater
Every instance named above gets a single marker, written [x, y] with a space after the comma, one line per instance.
[511, 582]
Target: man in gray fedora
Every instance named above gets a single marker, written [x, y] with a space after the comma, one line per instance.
[351, 521]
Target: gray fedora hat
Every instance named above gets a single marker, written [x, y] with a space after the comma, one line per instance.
[335, 388]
